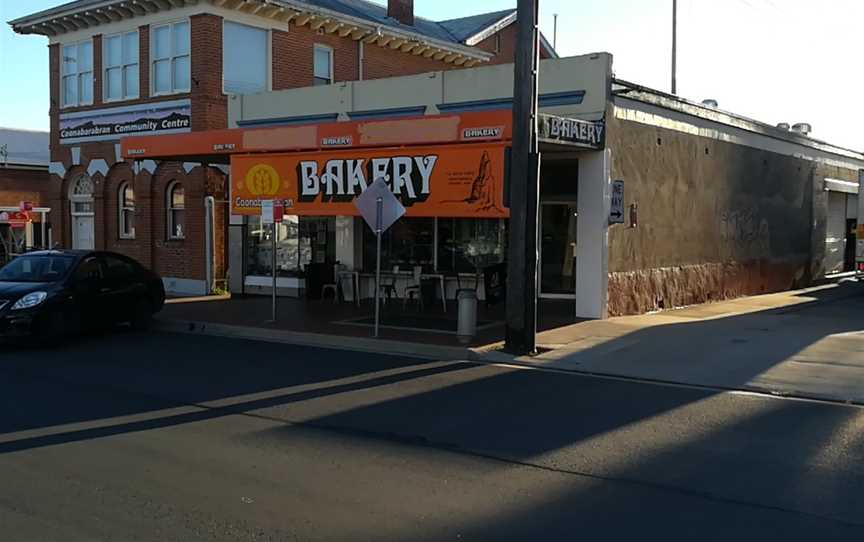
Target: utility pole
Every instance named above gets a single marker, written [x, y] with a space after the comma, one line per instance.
[522, 258]
[674, 46]
[555, 31]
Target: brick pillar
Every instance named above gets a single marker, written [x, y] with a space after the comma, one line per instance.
[97, 69]
[209, 104]
[144, 61]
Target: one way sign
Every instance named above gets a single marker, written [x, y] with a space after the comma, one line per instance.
[616, 210]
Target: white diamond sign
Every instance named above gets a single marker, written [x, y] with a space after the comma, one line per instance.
[367, 204]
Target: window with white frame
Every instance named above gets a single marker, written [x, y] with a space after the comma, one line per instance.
[126, 204]
[121, 66]
[245, 67]
[176, 211]
[323, 65]
[171, 71]
[77, 74]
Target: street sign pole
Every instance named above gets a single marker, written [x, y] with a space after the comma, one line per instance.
[273, 235]
[378, 227]
[521, 328]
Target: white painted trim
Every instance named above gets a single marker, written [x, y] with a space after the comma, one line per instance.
[147, 165]
[492, 29]
[592, 235]
[189, 166]
[57, 168]
[224, 168]
[837, 185]
[76, 156]
[118, 154]
[97, 165]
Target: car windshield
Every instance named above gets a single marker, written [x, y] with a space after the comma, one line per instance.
[36, 269]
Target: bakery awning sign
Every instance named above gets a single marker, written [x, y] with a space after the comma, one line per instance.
[445, 180]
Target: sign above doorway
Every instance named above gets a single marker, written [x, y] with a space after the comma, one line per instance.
[571, 132]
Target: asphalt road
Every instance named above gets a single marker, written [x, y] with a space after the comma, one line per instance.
[165, 437]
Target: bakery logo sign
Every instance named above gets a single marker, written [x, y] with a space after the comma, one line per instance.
[112, 124]
[572, 132]
[343, 180]
[482, 134]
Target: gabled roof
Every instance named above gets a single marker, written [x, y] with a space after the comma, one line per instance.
[24, 148]
[451, 41]
[465, 28]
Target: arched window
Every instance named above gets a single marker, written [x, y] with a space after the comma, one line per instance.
[81, 208]
[126, 204]
[176, 211]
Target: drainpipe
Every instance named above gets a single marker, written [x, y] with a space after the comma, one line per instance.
[361, 60]
[209, 242]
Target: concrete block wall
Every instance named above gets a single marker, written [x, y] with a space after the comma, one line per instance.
[716, 220]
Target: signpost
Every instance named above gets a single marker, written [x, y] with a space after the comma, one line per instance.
[616, 209]
[380, 209]
[267, 217]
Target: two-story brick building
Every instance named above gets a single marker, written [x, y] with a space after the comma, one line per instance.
[139, 67]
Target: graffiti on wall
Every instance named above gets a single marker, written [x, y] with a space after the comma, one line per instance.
[744, 234]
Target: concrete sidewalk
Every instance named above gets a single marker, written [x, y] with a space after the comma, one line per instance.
[806, 343]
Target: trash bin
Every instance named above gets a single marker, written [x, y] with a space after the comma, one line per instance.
[466, 326]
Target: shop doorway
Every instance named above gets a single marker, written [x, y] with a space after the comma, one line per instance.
[558, 250]
[83, 224]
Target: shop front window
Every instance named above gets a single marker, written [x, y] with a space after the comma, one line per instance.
[466, 245]
[408, 243]
[300, 241]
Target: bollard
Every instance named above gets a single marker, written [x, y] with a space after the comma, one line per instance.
[467, 322]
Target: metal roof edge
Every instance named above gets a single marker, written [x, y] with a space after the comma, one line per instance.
[491, 29]
[663, 100]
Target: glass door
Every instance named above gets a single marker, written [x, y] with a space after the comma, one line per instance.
[558, 250]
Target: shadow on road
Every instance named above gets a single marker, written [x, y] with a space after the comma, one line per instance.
[781, 455]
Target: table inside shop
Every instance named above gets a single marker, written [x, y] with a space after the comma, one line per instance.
[440, 278]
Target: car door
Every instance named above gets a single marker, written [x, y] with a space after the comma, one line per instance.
[122, 287]
[88, 291]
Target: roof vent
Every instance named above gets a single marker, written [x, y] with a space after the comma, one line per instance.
[710, 103]
[784, 126]
[802, 128]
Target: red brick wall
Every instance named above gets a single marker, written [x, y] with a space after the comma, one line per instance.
[97, 69]
[209, 105]
[144, 61]
[293, 54]
[17, 185]
[386, 62]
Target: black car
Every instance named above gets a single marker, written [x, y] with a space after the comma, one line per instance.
[50, 295]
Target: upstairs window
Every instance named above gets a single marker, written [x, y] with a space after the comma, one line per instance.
[244, 59]
[77, 74]
[121, 66]
[323, 65]
[171, 59]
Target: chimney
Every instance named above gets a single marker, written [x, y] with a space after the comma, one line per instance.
[401, 10]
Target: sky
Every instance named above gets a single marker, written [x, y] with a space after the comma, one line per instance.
[771, 60]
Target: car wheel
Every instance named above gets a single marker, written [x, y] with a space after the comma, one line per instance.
[142, 318]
